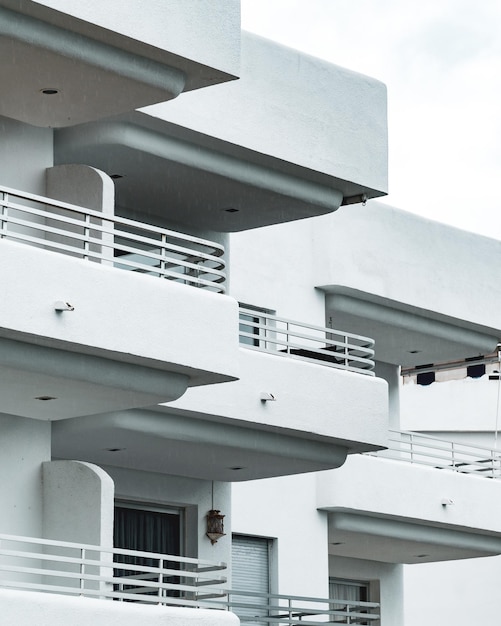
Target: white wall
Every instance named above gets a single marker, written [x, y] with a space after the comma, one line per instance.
[78, 503]
[28, 608]
[307, 112]
[24, 446]
[460, 593]
[189, 28]
[285, 509]
[25, 153]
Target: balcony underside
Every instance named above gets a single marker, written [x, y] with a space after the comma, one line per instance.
[164, 167]
[45, 383]
[397, 512]
[94, 73]
[197, 448]
[406, 335]
[395, 541]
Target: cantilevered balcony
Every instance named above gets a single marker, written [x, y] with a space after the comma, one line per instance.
[455, 456]
[422, 500]
[111, 240]
[85, 322]
[32, 570]
[284, 337]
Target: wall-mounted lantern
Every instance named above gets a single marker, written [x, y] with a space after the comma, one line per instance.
[215, 525]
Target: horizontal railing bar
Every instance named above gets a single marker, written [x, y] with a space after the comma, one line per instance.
[95, 232]
[102, 216]
[313, 360]
[319, 350]
[110, 550]
[53, 230]
[197, 280]
[258, 314]
[279, 596]
[87, 577]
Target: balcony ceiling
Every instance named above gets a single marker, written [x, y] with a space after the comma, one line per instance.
[92, 72]
[157, 441]
[405, 335]
[391, 540]
[175, 176]
[46, 383]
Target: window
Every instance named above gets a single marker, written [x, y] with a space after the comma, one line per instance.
[149, 530]
[250, 557]
[350, 591]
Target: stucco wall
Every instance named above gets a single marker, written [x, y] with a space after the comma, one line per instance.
[209, 34]
[25, 152]
[309, 112]
[28, 608]
[285, 509]
[24, 446]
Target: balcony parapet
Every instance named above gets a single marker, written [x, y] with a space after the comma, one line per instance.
[465, 458]
[67, 568]
[283, 337]
[111, 240]
[252, 607]
[44, 565]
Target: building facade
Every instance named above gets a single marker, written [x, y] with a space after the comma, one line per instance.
[193, 407]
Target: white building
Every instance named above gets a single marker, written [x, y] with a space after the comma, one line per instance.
[150, 377]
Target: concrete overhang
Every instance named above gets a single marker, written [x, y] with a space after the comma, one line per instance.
[75, 71]
[175, 174]
[395, 541]
[406, 335]
[400, 512]
[157, 441]
[46, 383]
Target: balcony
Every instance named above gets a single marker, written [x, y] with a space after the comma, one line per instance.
[284, 337]
[135, 579]
[132, 340]
[441, 454]
[306, 397]
[422, 500]
[110, 240]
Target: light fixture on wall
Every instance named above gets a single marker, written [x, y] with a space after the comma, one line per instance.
[215, 524]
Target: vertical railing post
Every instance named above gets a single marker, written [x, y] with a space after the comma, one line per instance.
[4, 215]
[82, 571]
[163, 246]
[287, 337]
[411, 441]
[346, 351]
[86, 237]
[160, 579]
[453, 456]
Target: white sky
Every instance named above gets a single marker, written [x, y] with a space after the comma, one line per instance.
[441, 62]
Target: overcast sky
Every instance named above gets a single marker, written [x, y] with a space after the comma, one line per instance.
[441, 62]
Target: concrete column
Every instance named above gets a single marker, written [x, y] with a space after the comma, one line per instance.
[391, 373]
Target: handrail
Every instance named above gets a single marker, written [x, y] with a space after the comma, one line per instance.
[260, 608]
[111, 240]
[110, 573]
[465, 458]
[69, 568]
[281, 336]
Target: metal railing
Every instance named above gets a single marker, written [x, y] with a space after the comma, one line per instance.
[109, 573]
[110, 240]
[261, 609]
[277, 335]
[432, 451]
[68, 568]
